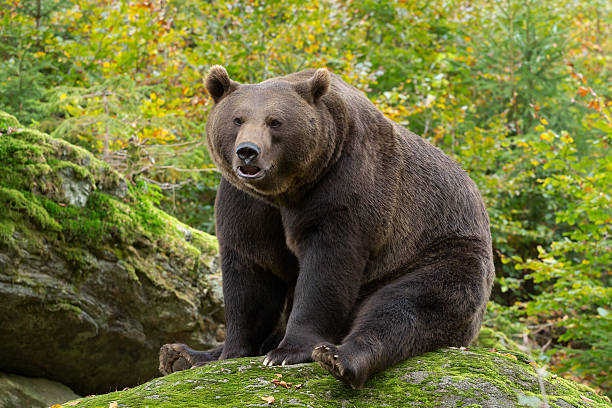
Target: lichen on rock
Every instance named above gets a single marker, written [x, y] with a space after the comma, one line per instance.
[93, 277]
[445, 378]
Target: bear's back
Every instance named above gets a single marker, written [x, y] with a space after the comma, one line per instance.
[427, 196]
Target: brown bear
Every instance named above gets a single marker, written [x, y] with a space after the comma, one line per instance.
[344, 238]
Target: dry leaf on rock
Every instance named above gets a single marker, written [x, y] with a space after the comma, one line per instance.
[586, 399]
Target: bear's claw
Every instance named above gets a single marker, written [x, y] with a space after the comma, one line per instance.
[283, 356]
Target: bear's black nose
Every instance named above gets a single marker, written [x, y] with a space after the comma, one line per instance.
[247, 151]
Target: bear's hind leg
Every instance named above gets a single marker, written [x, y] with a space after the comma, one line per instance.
[176, 357]
[435, 306]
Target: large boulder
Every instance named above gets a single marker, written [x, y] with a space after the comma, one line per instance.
[93, 278]
[446, 378]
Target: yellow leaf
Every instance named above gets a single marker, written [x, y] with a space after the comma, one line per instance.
[544, 121]
[113, 405]
[105, 64]
[153, 96]
[535, 162]
[546, 136]
[63, 96]
[269, 399]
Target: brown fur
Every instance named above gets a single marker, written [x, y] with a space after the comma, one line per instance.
[359, 245]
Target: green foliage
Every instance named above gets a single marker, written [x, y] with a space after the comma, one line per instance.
[518, 91]
[574, 271]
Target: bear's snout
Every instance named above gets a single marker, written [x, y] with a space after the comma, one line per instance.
[247, 152]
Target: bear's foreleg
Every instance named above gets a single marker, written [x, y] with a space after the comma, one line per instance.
[254, 302]
[325, 294]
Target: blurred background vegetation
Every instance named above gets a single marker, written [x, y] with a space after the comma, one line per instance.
[518, 91]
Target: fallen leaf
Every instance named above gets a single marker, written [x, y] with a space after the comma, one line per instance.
[56, 406]
[298, 386]
[72, 403]
[279, 375]
[113, 404]
[284, 384]
[586, 399]
[268, 399]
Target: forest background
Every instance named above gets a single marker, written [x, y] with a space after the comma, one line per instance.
[518, 91]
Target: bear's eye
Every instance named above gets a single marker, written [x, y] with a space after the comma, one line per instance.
[237, 121]
[274, 123]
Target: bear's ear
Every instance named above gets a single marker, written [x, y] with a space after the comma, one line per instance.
[218, 83]
[313, 89]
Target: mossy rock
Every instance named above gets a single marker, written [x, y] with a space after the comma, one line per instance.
[8, 121]
[93, 277]
[446, 378]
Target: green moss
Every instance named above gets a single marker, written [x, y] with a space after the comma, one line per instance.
[493, 339]
[8, 121]
[461, 378]
[7, 228]
[63, 306]
[205, 242]
[17, 202]
[81, 172]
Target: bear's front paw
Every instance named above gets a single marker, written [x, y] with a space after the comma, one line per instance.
[288, 355]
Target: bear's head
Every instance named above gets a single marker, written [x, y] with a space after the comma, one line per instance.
[271, 137]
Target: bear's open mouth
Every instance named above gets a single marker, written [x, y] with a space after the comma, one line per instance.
[248, 171]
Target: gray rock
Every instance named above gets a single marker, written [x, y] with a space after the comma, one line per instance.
[23, 392]
[76, 192]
